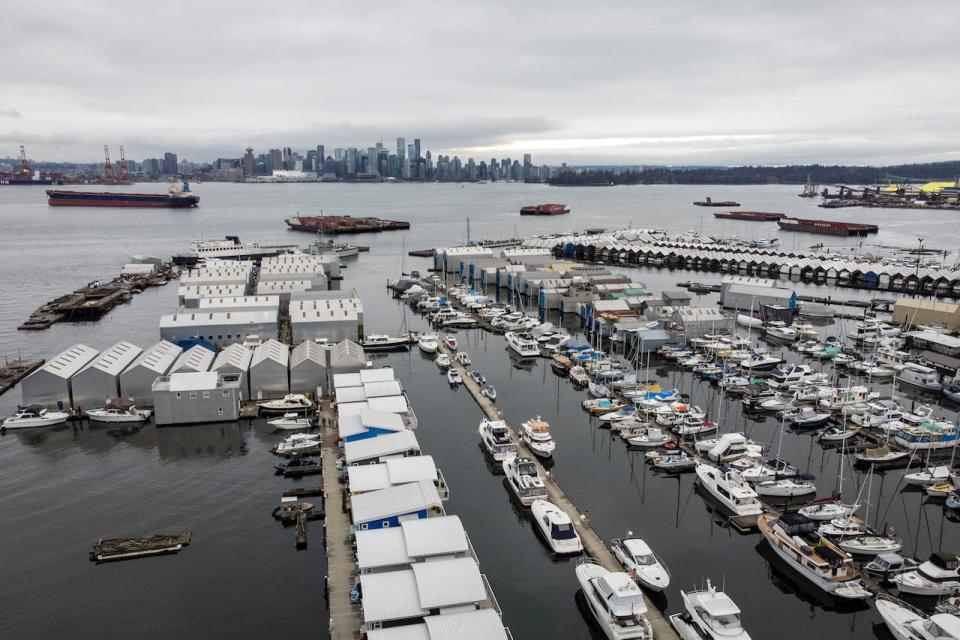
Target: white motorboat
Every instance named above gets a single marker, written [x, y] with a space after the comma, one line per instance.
[785, 377]
[579, 376]
[838, 433]
[919, 376]
[523, 344]
[759, 362]
[906, 622]
[626, 412]
[693, 427]
[840, 527]
[556, 527]
[646, 437]
[776, 330]
[769, 470]
[639, 560]
[290, 421]
[806, 418]
[842, 398]
[708, 615]
[463, 358]
[870, 545]
[819, 561]
[615, 601]
[428, 342]
[729, 446]
[119, 410]
[786, 487]
[442, 361]
[928, 476]
[805, 330]
[292, 402]
[729, 488]
[672, 461]
[383, 342]
[524, 480]
[829, 509]
[454, 377]
[938, 576]
[918, 415]
[297, 442]
[877, 413]
[779, 402]
[535, 433]
[596, 389]
[496, 439]
[34, 416]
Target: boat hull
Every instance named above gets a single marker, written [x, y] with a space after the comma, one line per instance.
[106, 199]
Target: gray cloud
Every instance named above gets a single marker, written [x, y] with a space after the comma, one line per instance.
[695, 81]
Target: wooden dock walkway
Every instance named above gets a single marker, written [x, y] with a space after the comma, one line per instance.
[593, 544]
[345, 618]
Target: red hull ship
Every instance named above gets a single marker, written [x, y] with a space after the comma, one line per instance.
[333, 225]
[544, 210]
[827, 227]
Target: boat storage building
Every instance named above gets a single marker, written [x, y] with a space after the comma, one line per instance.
[50, 385]
[219, 328]
[387, 507]
[195, 359]
[308, 368]
[190, 398]
[136, 381]
[347, 357]
[235, 359]
[413, 541]
[100, 380]
[331, 319]
[270, 371]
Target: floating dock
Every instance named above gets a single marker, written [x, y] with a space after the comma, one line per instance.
[16, 370]
[108, 550]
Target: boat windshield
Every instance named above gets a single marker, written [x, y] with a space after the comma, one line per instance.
[933, 630]
[721, 623]
[562, 531]
[645, 561]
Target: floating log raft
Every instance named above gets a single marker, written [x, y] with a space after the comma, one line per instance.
[128, 548]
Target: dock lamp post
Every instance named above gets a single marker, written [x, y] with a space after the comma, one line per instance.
[919, 255]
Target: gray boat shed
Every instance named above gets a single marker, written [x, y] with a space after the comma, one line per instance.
[195, 359]
[309, 367]
[136, 381]
[347, 357]
[270, 371]
[235, 359]
[50, 385]
[99, 381]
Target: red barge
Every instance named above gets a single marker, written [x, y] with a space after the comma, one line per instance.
[760, 216]
[828, 227]
[544, 210]
[333, 225]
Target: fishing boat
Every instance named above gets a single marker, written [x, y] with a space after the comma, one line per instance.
[34, 416]
[442, 361]
[906, 622]
[535, 433]
[638, 560]
[524, 480]
[488, 391]
[290, 403]
[615, 601]
[556, 527]
[708, 615]
[729, 488]
[451, 342]
[119, 410]
[793, 538]
[453, 377]
[938, 576]
[293, 420]
[496, 439]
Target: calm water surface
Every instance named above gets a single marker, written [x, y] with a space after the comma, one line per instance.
[62, 489]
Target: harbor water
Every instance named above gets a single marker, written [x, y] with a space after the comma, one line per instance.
[62, 489]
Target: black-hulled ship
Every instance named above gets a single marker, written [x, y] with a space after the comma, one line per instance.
[176, 198]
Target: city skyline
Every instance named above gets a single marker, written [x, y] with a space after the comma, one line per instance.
[631, 84]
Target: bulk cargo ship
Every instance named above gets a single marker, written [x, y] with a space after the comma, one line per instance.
[333, 225]
[827, 227]
[760, 216]
[544, 210]
[38, 178]
[177, 197]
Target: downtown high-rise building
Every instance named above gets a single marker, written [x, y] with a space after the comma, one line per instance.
[416, 148]
[401, 148]
[170, 167]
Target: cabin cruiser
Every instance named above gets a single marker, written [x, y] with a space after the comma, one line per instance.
[692, 427]
[383, 342]
[118, 410]
[645, 436]
[729, 446]
[523, 344]
[790, 376]
[887, 565]
[938, 576]
[297, 442]
[524, 480]
[786, 486]
[708, 615]
[535, 433]
[778, 402]
[729, 488]
[917, 375]
[292, 420]
[290, 403]
[905, 622]
[556, 527]
[769, 470]
[870, 544]
[428, 343]
[496, 439]
[639, 560]
[838, 527]
[843, 398]
[776, 330]
[819, 561]
[453, 377]
[870, 330]
[878, 413]
[804, 417]
[442, 361]
[578, 375]
[34, 416]
[615, 601]
[805, 330]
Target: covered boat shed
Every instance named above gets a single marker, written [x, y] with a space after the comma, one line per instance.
[374, 450]
[136, 381]
[481, 624]
[270, 370]
[309, 367]
[382, 374]
[413, 541]
[368, 424]
[235, 359]
[347, 357]
[196, 359]
[99, 381]
[50, 386]
[394, 472]
[387, 507]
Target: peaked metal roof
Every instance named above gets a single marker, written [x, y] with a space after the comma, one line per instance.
[158, 357]
[69, 361]
[236, 356]
[390, 444]
[115, 359]
[272, 350]
[394, 501]
[308, 351]
[196, 358]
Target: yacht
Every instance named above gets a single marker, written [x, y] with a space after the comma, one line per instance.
[556, 527]
[819, 561]
[428, 343]
[34, 416]
[496, 439]
[786, 487]
[917, 375]
[443, 361]
[523, 344]
[776, 330]
[291, 420]
[615, 601]
[453, 377]
[119, 410]
[759, 362]
[938, 576]
[535, 433]
[639, 560]
[292, 402]
[297, 442]
[708, 615]
[906, 622]
[785, 377]
[383, 342]
[729, 488]
[729, 446]
[927, 436]
[524, 480]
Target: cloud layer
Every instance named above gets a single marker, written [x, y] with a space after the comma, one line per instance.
[682, 82]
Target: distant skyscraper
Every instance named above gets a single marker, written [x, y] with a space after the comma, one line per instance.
[416, 148]
[321, 156]
[170, 164]
[249, 163]
[401, 149]
[276, 161]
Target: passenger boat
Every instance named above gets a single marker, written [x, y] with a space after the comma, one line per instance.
[297, 442]
[938, 576]
[451, 342]
[488, 391]
[522, 344]
[292, 420]
[292, 402]
[496, 439]
[708, 615]
[428, 343]
[729, 488]
[34, 416]
[638, 559]
[524, 480]
[819, 561]
[905, 622]
[442, 361]
[383, 342]
[615, 601]
[535, 433]
[556, 527]
[119, 410]
[453, 377]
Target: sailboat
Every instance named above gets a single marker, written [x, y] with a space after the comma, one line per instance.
[831, 508]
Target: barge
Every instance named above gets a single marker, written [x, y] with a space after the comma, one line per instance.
[176, 198]
[333, 225]
[716, 203]
[827, 227]
[544, 210]
[760, 216]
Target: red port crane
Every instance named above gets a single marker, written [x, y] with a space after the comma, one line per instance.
[107, 166]
[123, 165]
[25, 170]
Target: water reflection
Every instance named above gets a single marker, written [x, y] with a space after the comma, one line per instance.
[201, 441]
[787, 581]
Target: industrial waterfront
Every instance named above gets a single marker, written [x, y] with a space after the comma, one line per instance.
[66, 487]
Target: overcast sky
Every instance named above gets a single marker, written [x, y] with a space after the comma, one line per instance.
[676, 82]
